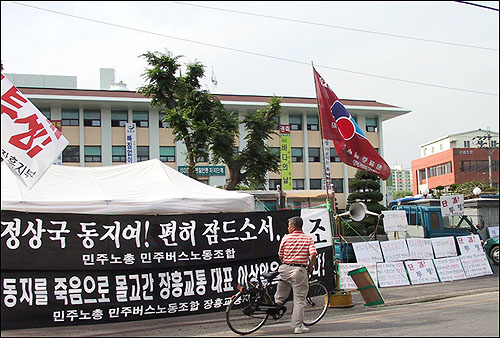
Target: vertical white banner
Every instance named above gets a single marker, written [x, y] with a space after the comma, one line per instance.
[30, 142]
[327, 175]
[317, 224]
[131, 142]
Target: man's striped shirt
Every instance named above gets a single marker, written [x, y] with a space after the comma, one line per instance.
[296, 247]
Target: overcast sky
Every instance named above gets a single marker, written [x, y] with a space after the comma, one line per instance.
[438, 59]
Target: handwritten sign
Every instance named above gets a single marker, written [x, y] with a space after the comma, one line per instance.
[420, 248]
[346, 282]
[452, 205]
[449, 269]
[395, 250]
[421, 272]
[469, 244]
[395, 220]
[476, 264]
[368, 252]
[392, 274]
[493, 231]
[444, 246]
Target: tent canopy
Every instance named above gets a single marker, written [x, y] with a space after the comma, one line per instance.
[143, 188]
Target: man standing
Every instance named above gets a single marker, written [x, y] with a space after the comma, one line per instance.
[297, 255]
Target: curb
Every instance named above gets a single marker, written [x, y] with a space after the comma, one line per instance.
[430, 298]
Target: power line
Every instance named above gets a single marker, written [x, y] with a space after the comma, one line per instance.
[253, 53]
[478, 5]
[333, 26]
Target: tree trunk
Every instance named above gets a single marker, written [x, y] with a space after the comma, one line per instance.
[234, 178]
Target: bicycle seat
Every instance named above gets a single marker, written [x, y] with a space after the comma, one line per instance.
[270, 275]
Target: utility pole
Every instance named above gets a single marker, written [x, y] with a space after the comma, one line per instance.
[484, 142]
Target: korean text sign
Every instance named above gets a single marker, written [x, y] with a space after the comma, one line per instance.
[69, 269]
[30, 142]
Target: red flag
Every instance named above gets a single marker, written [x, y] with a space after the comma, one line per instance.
[350, 142]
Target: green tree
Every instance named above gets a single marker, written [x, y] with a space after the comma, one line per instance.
[402, 193]
[199, 119]
[466, 188]
[250, 165]
[365, 188]
[196, 117]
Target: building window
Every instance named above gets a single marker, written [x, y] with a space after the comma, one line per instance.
[469, 166]
[440, 169]
[141, 119]
[466, 144]
[118, 154]
[297, 155]
[314, 155]
[119, 118]
[273, 184]
[333, 155]
[163, 124]
[312, 123]
[315, 183]
[45, 112]
[371, 124]
[92, 118]
[69, 117]
[276, 122]
[167, 154]
[71, 154]
[295, 122]
[338, 185]
[92, 153]
[142, 153]
[298, 184]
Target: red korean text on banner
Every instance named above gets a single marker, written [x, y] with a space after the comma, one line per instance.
[30, 142]
[350, 142]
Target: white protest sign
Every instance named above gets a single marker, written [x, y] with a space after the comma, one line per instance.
[396, 250]
[346, 282]
[452, 205]
[131, 142]
[420, 248]
[444, 246]
[493, 231]
[392, 274]
[395, 220]
[368, 252]
[421, 272]
[30, 142]
[476, 264]
[469, 244]
[317, 224]
[449, 269]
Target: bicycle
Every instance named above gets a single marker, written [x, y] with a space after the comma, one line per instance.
[252, 305]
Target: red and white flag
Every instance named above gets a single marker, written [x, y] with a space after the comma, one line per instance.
[30, 142]
[350, 142]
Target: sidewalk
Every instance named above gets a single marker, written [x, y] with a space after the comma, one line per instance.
[392, 296]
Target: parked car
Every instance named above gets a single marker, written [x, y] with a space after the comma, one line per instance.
[491, 249]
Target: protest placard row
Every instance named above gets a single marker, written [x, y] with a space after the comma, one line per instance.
[414, 261]
[413, 272]
[415, 249]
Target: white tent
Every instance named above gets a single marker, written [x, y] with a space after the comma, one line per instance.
[144, 188]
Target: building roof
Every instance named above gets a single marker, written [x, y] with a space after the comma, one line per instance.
[224, 98]
[452, 136]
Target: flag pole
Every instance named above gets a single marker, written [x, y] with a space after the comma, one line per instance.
[339, 298]
[328, 182]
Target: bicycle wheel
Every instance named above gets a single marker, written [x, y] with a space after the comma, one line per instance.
[317, 301]
[244, 315]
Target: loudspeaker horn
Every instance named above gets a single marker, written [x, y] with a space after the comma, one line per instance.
[358, 211]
